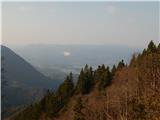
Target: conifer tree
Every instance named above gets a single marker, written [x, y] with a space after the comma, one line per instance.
[105, 79]
[113, 70]
[65, 90]
[151, 47]
[120, 65]
[144, 52]
[85, 80]
[158, 48]
[80, 83]
[49, 104]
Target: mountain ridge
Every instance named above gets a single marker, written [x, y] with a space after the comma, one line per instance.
[21, 77]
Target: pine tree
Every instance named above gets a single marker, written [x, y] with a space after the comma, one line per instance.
[98, 73]
[144, 52]
[113, 70]
[105, 79]
[158, 48]
[85, 81]
[151, 47]
[103, 76]
[120, 65]
[65, 90]
[80, 83]
[49, 104]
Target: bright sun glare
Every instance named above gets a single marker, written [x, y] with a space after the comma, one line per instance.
[66, 53]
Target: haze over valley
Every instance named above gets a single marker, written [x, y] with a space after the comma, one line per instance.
[53, 58]
[80, 60]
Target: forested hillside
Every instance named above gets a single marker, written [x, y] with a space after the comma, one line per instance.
[123, 92]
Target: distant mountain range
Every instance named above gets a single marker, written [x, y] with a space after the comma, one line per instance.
[22, 84]
[66, 58]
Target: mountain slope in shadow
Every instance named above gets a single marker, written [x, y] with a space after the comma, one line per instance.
[22, 84]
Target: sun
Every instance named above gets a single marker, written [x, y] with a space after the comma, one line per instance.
[66, 53]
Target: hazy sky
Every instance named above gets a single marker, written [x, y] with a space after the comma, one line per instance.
[110, 23]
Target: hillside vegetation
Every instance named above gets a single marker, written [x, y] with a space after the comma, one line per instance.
[124, 92]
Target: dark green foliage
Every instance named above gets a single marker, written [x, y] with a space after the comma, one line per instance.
[98, 73]
[158, 48]
[121, 65]
[103, 76]
[88, 78]
[49, 104]
[54, 102]
[144, 52]
[78, 115]
[65, 90]
[85, 81]
[113, 70]
[151, 47]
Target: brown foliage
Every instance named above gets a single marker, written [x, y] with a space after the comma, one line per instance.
[134, 93]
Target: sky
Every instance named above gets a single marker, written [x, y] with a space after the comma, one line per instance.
[95, 23]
